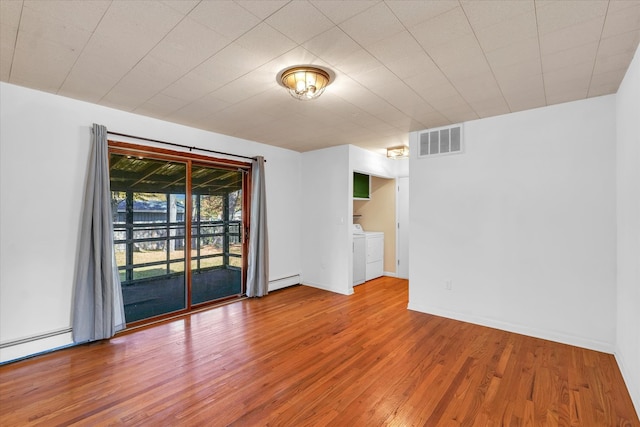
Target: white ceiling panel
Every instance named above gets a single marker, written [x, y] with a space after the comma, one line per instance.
[146, 22]
[224, 17]
[160, 106]
[526, 97]
[148, 77]
[410, 66]
[554, 15]
[480, 86]
[372, 25]
[515, 53]
[488, 107]
[622, 20]
[570, 57]
[491, 12]
[606, 83]
[625, 42]
[461, 57]
[398, 65]
[334, 46]
[79, 14]
[199, 109]
[606, 63]
[442, 29]
[514, 81]
[182, 6]
[191, 87]
[339, 11]
[265, 42]
[518, 28]
[399, 46]
[189, 44]
[414, 12]
[260, 8]
[10, 12]
[42, 63]
[300, 21]
[571, 37]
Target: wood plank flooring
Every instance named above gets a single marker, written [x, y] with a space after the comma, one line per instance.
[307, 357]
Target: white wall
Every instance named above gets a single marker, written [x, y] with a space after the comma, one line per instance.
[44, 148]
[368, 162]
[326, 219]
[628, 214]
[523, 224]
[327, 197]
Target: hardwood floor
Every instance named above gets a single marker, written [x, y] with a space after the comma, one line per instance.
[306, 357]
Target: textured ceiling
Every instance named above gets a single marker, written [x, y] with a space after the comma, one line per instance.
[399, 65]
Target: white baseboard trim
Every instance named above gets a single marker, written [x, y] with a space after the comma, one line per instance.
[633, 384]
[328, 288]
[284, 282]
[518, 329]
[390, 273]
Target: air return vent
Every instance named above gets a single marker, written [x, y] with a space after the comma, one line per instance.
[445, 140]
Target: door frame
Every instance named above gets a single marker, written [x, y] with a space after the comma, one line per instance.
[189, 159]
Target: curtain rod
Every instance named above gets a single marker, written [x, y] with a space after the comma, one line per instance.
[182, 146]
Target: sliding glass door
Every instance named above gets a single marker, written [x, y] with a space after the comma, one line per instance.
[178, 231]
[216, 255]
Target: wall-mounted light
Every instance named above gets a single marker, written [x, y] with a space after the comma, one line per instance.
[304, 82]
[398, 152]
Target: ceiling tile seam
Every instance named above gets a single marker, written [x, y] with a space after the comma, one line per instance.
[544, 85]
[185, 16]
[387, 68]
[267, 17]
[450, 119]
[366, 50]
[226, 84]
[484, 55]
[143, 57]
[261, 21]
[595, 58]
[373, 4]
[64, 81]
[338, 26]
[15, 42]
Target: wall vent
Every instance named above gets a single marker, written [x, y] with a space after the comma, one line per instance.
[439, 141]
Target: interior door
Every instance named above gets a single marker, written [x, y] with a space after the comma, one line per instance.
[403, 227]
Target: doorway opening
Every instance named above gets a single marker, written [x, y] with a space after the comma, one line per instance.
[179, 229]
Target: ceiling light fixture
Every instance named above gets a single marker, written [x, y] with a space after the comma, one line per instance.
[398, 152]
[304, 82]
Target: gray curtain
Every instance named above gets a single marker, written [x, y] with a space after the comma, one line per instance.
[98, 311]
[258, 262]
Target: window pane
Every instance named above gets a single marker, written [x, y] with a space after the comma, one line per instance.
[148, 214]
[217, 219]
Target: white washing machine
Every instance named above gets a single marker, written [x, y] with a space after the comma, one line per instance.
[359, 258]
[374, 241]
[368, 254]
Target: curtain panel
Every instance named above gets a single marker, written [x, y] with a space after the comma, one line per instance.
[98, 310]
[258, 259]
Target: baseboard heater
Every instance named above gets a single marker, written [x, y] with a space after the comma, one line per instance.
[284, 282]
[279, 283]
[35, 338]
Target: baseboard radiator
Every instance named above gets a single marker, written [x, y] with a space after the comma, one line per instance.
[33, 338]
[284, 282]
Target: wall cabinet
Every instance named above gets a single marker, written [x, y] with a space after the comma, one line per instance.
[361, 186]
